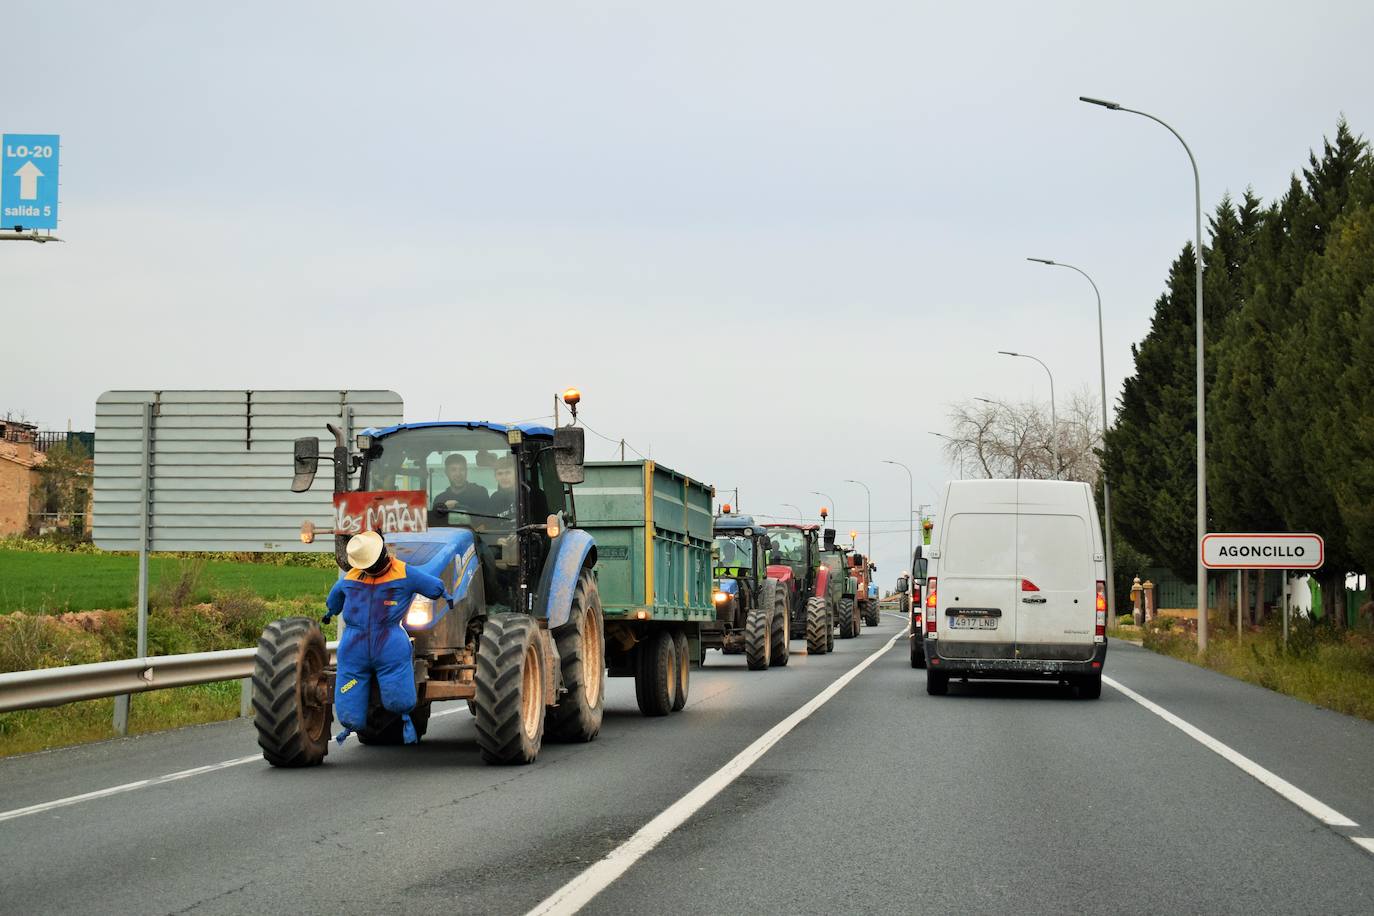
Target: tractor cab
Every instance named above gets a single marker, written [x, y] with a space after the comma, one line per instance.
[740, 553]
[797, 547]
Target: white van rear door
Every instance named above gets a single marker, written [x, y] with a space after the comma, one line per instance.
[1057, 591]
[976, 595]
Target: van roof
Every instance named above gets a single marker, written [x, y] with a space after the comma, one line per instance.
[1066, 494]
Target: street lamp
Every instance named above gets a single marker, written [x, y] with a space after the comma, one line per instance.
[959, 449]
[794, 509]
[829, 500]
[1201, 394]
[1106, 490]
[910, 499]
[869, 499]
[1054, 423]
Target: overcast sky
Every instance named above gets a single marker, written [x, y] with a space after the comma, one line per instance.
[770, 241]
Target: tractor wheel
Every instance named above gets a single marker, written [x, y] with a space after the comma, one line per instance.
[937, 683]
[684, 669]
[849, 619]
[656, 674]
[291, 701]
[816, 628]
[291, 705]
[871, 613]
[776, 598]
[511, 673]
[582, 653]
[757, 638]
[831, 621]
[385, 727]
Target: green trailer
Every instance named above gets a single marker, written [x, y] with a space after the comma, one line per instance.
[652, 528]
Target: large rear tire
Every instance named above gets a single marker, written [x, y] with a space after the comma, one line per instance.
[816, 626]
[656, 674]
[684, 669]
[871, 613]
[582, 655]
[291, 702]
[849, 619]
[511, 674]
[757, 638]
[776, 598]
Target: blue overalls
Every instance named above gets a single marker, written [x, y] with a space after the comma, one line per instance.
[374, 643]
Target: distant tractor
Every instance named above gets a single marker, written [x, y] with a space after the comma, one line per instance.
[841, 587]
[752, 607]
[796, 564]
[866, 591]
[540, 610]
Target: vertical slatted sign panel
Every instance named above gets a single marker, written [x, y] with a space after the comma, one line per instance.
[219, 475]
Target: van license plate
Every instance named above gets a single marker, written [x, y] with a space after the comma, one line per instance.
[973, 623]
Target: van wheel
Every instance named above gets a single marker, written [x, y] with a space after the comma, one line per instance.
[816, 626]
[918, 655]
[1089, 688]
[937, 683]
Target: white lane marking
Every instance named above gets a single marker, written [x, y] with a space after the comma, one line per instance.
[578, 892]
[1364, 842]
[126, 787]
[155, 781]
[1322, 812]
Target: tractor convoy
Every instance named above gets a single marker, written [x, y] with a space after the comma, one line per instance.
[555, 573]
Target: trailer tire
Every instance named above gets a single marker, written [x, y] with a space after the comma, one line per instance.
[291, 707]
[582, 656]
[937, 683]
[684, 669]
[758, 639]
[849, 619]
[816, 629]
[511, 674]
[655, 674]
[776, 598]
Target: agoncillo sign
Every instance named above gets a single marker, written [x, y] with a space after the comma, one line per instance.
[1263, 551]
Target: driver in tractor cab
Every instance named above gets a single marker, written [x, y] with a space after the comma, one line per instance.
[461, 495]
[373, 599]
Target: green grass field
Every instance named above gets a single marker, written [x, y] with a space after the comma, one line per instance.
[53, 583]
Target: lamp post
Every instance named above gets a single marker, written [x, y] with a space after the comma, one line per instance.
[959, 448]
[1106, 490]
[869, 500]
[829, 500]
[1201, 394]
[1054, 422]
[795, 509]
[910, 499]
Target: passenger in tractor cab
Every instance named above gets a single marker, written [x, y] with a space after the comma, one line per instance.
[502, 503]
[461, 495]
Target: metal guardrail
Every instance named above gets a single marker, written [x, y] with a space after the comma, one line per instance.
[71, 683]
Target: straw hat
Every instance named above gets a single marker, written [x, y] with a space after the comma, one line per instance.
[364, 549]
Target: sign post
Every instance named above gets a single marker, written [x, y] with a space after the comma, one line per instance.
[1283, 552]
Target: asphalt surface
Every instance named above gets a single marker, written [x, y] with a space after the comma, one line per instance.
[999, 798]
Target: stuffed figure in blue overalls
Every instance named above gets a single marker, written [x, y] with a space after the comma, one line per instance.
[373, 599]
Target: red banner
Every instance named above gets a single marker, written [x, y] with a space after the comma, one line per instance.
[383, 511]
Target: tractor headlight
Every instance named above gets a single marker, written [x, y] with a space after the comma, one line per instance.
[721, 597]
[420, 614]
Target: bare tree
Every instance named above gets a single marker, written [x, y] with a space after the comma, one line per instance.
[1014, 440]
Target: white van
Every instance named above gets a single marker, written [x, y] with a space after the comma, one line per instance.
[1021, 588]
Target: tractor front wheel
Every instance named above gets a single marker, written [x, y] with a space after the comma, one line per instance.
[291, 701]
[757, 638]
[511, 673]
[582, 653]
[775, 598]
[849, 619]
[817, 626]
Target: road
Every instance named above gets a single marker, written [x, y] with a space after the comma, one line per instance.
[1000, 798]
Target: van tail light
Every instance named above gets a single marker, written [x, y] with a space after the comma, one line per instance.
[1100, 633]
[932, 618]
[1029, 586]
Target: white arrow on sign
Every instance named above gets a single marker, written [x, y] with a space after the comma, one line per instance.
[28, 176]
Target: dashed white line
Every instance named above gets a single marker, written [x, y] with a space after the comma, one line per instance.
[1321, 811]
[578, 892]
[1364, 842]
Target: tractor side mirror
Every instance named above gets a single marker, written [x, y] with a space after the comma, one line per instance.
[305, 457]
[569, 453]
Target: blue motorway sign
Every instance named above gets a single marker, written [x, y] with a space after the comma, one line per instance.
[28, 181]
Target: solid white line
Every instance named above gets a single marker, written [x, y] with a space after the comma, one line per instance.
[578, 892]
[126, 787]
[1364, 842]
[1322, 812]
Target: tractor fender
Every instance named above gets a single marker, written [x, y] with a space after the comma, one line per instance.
[822, 581]
[782, 573]
[569, 553]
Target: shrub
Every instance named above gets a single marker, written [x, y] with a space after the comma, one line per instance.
[30, 642]
[180, 588]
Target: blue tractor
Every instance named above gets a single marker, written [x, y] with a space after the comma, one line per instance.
[751, 605]
[522, 639]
